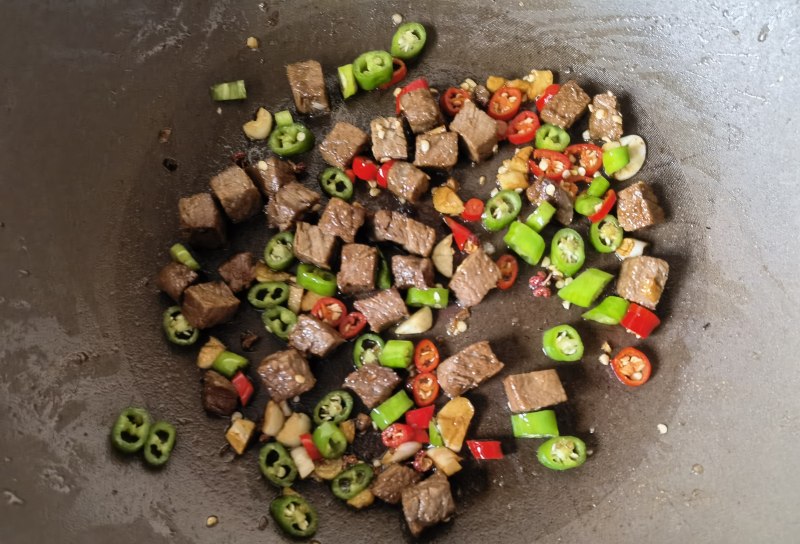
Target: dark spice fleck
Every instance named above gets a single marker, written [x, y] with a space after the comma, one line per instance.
[706, 326]
[262, 523]
[164, 134]
[248, 340]
[170, 164]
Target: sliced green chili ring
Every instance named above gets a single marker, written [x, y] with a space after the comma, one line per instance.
[397, 354]
[316, 280]
[347, 81]
[606, 235]
[615, 159]
[609, 312]
[352, 481]
[525, 242]
[562, 453]
[501, 210]
[598, 186]
[280, 321]
[329, 440]
[585, 288]
[230, 90]
[268, 293]
[367, 349]
[279, 253]
[180, 254]
[435, 297]
[552, 137]
[291, 140]
[334, 407]
[567, 252]
[562, 343]
[295, 516]
[434, 435]
[277, 465]
[384, 273]
[372, 69]
[160, 443]
[408, 41]
[228, 363]
[541, 216]
[177, 328]
[283, 118]
[587, 205]
[336, 183]
[391, 409]
[541, 424]
[131, 430]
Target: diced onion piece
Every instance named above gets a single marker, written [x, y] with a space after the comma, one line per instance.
[447, 201]
[296, 425]
[362, 500]
[295, 298]
[209, 352]
[309, 300]
[328, 469]
[637, 151]
[401, 453]
[239, 434]
[260, 128]
[453, 420]
[302, 461]
[265, 273]
[630, 247]
[443, 256]
[419, 322]
[348, 428]
[285, 408]
[445, 460]
[273, 419]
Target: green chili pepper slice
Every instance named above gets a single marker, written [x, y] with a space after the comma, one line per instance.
[587, 204]
[598, 186]
[525, 242]
[316, 280]
[435, 297]
[615, 159]
[434, 435]
[230, 90]
[585, 288]
[372, 69]
[227, 363]
[352, 481]
[334, 407]
[277, 465]
[131, 430]
[291, 139]
[397, 354]
[552, 137]
[280, 321]
[180, 254]
[347, 81]
[367, 349]
[541, 424]
[159, 444]
[408, 41]
[391, 409]
[336, 183]
[567, 252]
[606, 235]
[268, 293]
[501, 210]
[329, 440]
[177, 328]
[609, 312]
[562, 343]
[279, 253]
[562, 453]
[294, 515]
[283, 118]
[541, 216]
[384, 273]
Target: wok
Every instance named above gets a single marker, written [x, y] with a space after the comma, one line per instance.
[87, 211]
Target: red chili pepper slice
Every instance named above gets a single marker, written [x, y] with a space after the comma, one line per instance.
[605, 207]
[352, 324]
[509, 268]
[587, 156]
[547, 95]
[473, 209]
[632, 367]
[453, 100]
[396, 434]
[426, 356]
[419, 418]
[554, 161]
[364, 168]
[399, 74]
[351, 175]
[420, 83]
[640, 321]
[330, 310]
[505, 103]
[523, 127]
[465, 239]
[244, 387]
[485, 449]
[422, 463]
[308, 443]
[425, 388]
[383, 174]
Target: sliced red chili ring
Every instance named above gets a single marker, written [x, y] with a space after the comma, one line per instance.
[420, 83]
[330, 310]
[632, 367]
[547, 95]
[352, 324]
[453, 100]
[244, 387]
[605, 207]
[308, 443]
[364, 168]
[523, 127]
[426, 356]
[509, 268]
[383, 174]
[587, 156]
[465, 239]
[555, 164]
[639, 320]
[425, 388]
[396, 434]
[473, 209]
[485, 449]
[399, 74]
[505, 103]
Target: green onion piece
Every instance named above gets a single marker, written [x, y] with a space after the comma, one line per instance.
[347, 81]
[391, 409]
[609, 312]
[586, 287]
[540, 424]
[434, 297]
[525, 242]
[227, 363]
[231, 90]
[541, 216]
[587, 204]
[180, 254]
[384, 274]
[434, 435]
[615, 159]
[598, 186]
[283, 118]
[397, 354]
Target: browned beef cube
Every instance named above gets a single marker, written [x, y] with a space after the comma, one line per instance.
[409, 271]
[566, 106]
[373, 383]
[315, 337]
[219, 394]
[428, 503]
[478, 131]
[388, 139]
[342, 219]
[209, 304]
[390, 483]
[481, 95]
[605, 120]
[415, 237]
[285, 374]
[271, 174]
[312, 245]
[421, 110]
[382, 309]
[308, 86]
[407, 182]
[239, 271]
[545, 190]
[642, 279]
[174, 278]
[437, 150]
[474, 278]
[201, 221]
[467, 369]
[290, 204]
[533, 390]
[342, 143]
[637, 207]
[357, 271]
[235, 191]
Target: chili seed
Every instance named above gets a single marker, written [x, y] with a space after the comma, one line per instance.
[212, 521]
[662, 428]
[605, 359]
[252, 42]
[397, 18]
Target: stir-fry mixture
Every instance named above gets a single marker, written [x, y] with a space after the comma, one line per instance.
[335, 276]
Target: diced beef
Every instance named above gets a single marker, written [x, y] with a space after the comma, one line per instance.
[474, 278]
[415, 237]
[428, 503]
[357, 270]
[533, 390]
[271, 174]
[478, 131]
[409, 271]
[201, 221]
[390, 483]
[388, 139]
[605, 120]
[373, 383]
[308, 86]
[235, 191]
[566, 106]
[421, 110]
[467, 369]
[342, 143]
[174, 278]
[219, 395]
[637, 207]
[239, 272]
[407, 182]
[642, 279]
[209, 304]
[290, 204]
[437, 150]
[285, 374]
[315, 337]
[313, 245]
[382, 309]
[342, 219]
[540, 191]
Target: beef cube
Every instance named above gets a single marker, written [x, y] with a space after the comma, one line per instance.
[390, 483]
[478, 131]
[409, 271]
[373, 383]
[437, 150]
[407, 182]
[545, 190]
[315, 337]
[174, 278]
[388, 139]
[239, 272]
[308, 87]
[342, 219]
[428, 503]
[415, 237]
[235, 191]
[201, 221]
[342, 143]
[637, 207]
[382, 309]
[358, 268]
[474, 278]
[605, 120]
[272, 174]
[566, 106]
[421, 110]
[285, 374]
[208, 304]
[642, 279]
[313, 245]
[219, 394]
[533, 390]
[290, 204]
[467, 369]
